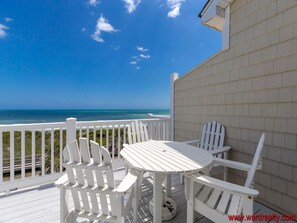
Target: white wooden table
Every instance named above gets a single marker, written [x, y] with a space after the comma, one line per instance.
[162, 158]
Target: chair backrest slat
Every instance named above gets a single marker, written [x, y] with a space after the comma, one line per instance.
[129, 133]
[257, 157]
[86, 159]
[109, 172]
[71, 156]
[144, 132]
[75, 155]
[202, 136]
[212, 136]
[74, 152]
[134, 135]
[94, 203]
[97, 160]
[70, 173]
[137, 131]
[218, 133]
[221, 135]
[141, 132]
[206, 134]
[110, 183]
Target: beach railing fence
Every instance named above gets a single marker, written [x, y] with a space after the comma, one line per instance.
[31, 154]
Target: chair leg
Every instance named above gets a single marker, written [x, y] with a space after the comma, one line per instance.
[248, 208]
[139, 183]
[70, 218]
[64, 204]
[190, 201]
[182, 180]
[225, 168]
[136, 202]
[168, 185]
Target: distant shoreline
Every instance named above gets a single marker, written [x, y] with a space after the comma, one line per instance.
[25, 116]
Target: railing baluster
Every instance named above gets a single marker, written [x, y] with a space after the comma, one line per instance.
[113, 152]
[61, 150]
[94, 133]
[100, 135]
[43, 152]
[167, 131]
[11, 155]
[158, 131]
[106, 137]
[88, 133]
[119, 140]
[52, 151]
[80, 132]
[154, 131]
[23, 155]
[164, 131]
[124, 141]
[1, 157]
[33, 152]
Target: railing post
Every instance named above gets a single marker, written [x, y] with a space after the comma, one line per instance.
[70, 130]
[173, 78]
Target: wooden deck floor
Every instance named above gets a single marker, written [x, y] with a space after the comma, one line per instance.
[41, 205]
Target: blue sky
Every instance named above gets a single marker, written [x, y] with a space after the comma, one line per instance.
[98, 54]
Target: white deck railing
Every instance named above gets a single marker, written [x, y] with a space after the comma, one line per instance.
[23, 145]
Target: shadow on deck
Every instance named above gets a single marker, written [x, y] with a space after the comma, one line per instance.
[41, 204]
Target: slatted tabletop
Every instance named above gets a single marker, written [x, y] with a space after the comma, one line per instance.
[166, 157]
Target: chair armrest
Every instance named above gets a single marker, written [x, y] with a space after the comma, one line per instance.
[61, 181]
[191, 142]
[129, 181]
[225, 186]
[220, 150]
[232, 164]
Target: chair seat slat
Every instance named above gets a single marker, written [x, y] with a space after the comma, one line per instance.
[223, 202]
[204, 194]
[234, 205]
[213, 199]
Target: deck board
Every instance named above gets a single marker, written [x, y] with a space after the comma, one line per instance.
[41, 204]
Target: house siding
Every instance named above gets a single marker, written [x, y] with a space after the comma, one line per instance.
[251, 88]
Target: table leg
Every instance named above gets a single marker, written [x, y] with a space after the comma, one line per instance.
[160, 204]
[168, 185]
[158, 197]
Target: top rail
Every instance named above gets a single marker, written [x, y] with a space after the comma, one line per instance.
[37, 126]
[118, 122]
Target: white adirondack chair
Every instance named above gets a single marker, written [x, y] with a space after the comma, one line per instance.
[216, 199]
[212, 140]
[92, 185]
[137, 132]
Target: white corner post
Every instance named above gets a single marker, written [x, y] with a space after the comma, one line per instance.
[70, 130]
[173, 78]
[226, 30]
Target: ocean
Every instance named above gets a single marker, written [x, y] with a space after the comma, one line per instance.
[44, 116]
